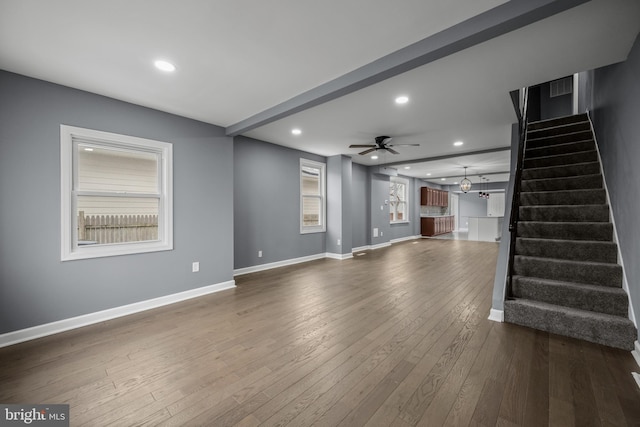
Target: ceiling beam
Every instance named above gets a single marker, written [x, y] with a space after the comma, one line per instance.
[446, 156]
[495, 22]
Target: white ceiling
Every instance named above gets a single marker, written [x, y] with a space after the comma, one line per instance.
[237, 58]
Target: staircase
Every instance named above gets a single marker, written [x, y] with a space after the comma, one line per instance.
[566, 279]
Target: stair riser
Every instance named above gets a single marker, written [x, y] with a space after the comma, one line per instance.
[575, 197]
[560, 121]
[559, 139]
[562, 171]
[562, 159]
[614, 334]
[568, 249]
[602, 232]
[593, 274]
[554, 150]
[590, 213]
[559, 130]
[558, 184]
[583, 298]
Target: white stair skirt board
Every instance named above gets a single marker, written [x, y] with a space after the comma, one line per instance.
[636, 352]
[496, 315]
[39, 331]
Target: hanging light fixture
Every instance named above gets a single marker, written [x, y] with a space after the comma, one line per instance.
[481, 193]
[465, 184]
[487, 195]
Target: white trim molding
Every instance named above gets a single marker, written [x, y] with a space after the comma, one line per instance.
[404, 239]
[340, 257]
[496, 315]
[39, 331]
[636, 352]
[283, 263]
[380, 245]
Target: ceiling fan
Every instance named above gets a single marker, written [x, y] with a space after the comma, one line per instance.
[382, 143]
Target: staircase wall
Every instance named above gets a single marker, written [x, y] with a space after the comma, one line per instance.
[616, 113]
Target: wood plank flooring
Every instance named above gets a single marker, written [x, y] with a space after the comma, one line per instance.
[395, 337]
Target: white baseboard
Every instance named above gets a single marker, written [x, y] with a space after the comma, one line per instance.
[338, 256]
[496, 315]
[360, 249]
[404, 239]
[269, 266]
[39, 331]
[380, 245]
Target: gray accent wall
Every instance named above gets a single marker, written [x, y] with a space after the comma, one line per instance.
[35, 286]
[379, 209]
[339, 217]
[411, 228]
[266, 204]
[616, 98]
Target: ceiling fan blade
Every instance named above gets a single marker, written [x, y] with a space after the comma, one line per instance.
[391, 150]
[367, 151]
[362, 146]
[404, 145]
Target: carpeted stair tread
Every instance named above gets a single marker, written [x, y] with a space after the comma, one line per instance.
[576, 250]
[600, 231]
[552, 150]
[583, 182]
[561, 159]
[562, 171]
[600, 328]
[557, 122]
[558, 139]
[588, 272]
[601, 299]
[563, 197]
[560, 129]
[565, 213]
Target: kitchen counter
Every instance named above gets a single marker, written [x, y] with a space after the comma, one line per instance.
[485, 228]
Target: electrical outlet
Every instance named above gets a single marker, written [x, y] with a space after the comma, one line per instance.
[338, 242]
[259, 254]
[381, 234]
[195, 267]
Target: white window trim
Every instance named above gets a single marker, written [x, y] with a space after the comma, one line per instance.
[69, 247]
[323, 196]
[407, 201]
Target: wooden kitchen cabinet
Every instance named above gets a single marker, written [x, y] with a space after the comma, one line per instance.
[433, 197]
[434, 225]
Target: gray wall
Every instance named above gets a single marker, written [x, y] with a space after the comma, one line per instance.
[379, 210]
[35, 286]
[339, 205]
[361, 201]
[616, 115]
[266, 202]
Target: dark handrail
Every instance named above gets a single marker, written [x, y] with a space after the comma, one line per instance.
[515, 202]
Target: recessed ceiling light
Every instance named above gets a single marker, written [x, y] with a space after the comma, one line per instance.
[458, 143]
[402, 99]
[164, 66]
[407, 167]
[455, 183]
[429, 174]
[296, 131]
[374, 157]
[88, 149]
[443, 179]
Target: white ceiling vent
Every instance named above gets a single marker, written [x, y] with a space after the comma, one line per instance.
[561, 87]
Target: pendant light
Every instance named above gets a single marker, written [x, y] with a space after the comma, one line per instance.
[465, 184]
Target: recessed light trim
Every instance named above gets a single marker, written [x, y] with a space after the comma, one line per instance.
[374, 157]
[403, 99]
[443, 179]
[296, 131]
[88, 149]
[164, 66]
[458, 143]
[407, 167]
[429, 174]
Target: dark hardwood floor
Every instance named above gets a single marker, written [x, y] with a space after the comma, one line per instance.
[395, 337]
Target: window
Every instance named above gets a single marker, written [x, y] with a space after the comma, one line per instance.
[116, 194]
[398, 200]
[312, 197]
